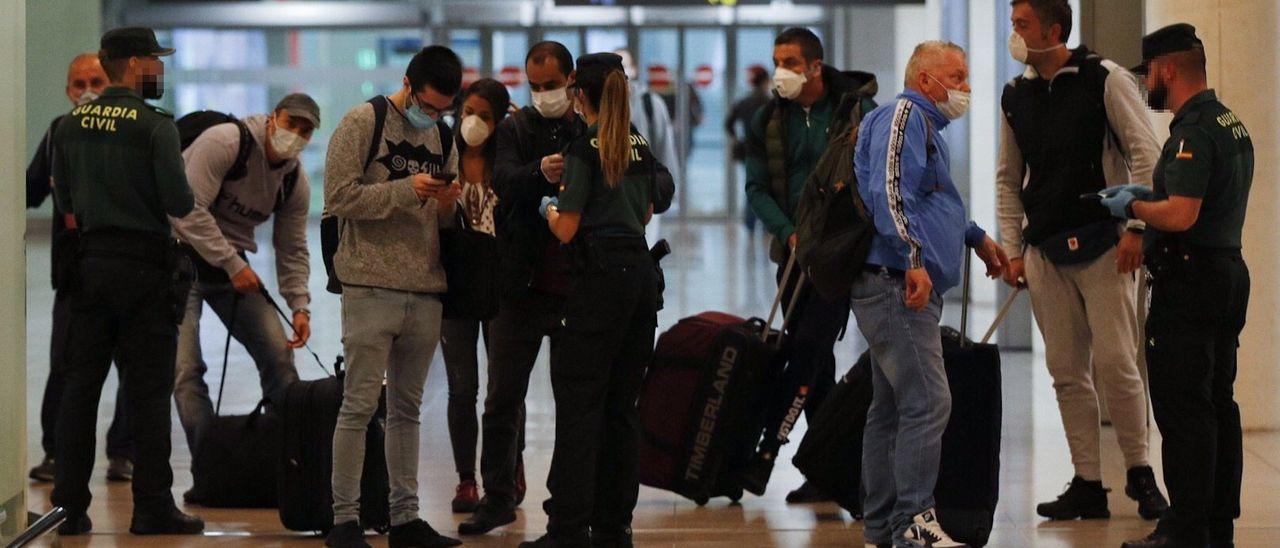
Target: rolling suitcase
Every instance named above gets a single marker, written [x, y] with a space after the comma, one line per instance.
[308, 417]
[233, 463]
[701, 404]
[968, 488]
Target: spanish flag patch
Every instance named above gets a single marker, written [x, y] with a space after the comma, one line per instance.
[1184, 154]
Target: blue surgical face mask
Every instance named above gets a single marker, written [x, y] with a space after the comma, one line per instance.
[418, 118]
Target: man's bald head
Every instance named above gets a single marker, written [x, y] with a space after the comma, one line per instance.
[85, 74]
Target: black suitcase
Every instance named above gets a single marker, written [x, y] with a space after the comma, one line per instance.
[968, 488]
[830, 454]
[309, 417]
[235, 464]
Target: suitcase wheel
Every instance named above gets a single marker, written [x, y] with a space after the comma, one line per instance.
[701, 501]
[736, 495]
[383, 529]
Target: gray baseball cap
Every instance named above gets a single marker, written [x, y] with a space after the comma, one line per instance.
[301, 105]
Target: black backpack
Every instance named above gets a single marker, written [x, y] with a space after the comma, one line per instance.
[331, 225]
[192, 125]
[833, 229]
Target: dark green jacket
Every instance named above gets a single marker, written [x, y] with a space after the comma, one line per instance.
[806, 140]
[118, 165]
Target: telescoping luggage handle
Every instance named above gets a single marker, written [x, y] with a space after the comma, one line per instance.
[964, 306]
[289, 322]
[777, 301]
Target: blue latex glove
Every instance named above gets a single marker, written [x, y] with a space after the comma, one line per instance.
[1118, 202]
[547, 201]
[1140, 192]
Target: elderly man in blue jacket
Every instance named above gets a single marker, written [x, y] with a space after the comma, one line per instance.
[917, 254]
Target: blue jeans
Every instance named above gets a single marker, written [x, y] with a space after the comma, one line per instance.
[902, 443]
[257, 327]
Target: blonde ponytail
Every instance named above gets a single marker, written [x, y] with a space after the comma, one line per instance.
[615, 129]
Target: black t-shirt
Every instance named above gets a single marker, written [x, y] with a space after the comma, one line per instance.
[620, 210]
[1209, 155]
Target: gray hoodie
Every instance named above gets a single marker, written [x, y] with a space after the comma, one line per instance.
[389, 238]
[226, 213]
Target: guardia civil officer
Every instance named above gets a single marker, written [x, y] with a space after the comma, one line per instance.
[118, 169]
[1199, 289]
[607, 196]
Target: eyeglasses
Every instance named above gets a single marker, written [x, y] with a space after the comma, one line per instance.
[430, 110]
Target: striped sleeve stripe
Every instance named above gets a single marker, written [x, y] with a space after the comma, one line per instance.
[893, 179]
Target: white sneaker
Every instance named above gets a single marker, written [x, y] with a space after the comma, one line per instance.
[926, 531]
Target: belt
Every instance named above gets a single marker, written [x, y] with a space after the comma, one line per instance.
[887, 271]
[125, 244]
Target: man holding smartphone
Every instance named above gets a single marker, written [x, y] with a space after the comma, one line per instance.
[388, 260]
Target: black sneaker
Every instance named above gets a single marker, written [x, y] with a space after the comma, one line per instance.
[1142, 487]
[1082, 500]
[43, 471]
[807, 493]
[75, 524]
[580, 540]
[347, 534]
[1157, 539]
[170, 522]
[119, 469]
[489, 515]
[616, 538]
[418, 534]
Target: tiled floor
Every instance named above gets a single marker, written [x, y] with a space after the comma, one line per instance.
[714, 267]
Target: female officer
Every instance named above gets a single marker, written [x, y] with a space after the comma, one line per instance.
[484, 104]
[604, 203]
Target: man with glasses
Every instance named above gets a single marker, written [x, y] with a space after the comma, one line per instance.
[392, 204]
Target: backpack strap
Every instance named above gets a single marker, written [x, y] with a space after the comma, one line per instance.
[1092, 69]
[240, 168]
[380, 105]
[286, 188]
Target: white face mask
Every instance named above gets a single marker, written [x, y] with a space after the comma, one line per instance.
[551, 104]
[788, 83]
[87, 97]
[957, 103]
[1018, 48]
[287, 144]
[474, 131]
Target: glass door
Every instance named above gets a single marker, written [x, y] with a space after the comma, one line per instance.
[700, 111]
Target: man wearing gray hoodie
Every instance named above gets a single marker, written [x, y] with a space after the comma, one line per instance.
[235, 193]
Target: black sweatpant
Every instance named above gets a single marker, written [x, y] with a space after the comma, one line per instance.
[119, 436]
[120, 309]
[609, 324]
[1198, 306]
[515, 337]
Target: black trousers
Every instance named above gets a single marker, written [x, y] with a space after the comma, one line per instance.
[458, 339]
[1198, 305]
[515, 337]
[809, 350]
[119, 435]
[609, 324]
[120, 309]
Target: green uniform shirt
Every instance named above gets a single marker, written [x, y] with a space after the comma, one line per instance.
[118, 164]
[1209, 156]
[620, 210]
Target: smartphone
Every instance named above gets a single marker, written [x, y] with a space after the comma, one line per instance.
[446, 177]
[1091, 197]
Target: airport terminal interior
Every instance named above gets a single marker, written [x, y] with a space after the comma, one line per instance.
[241, 57]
